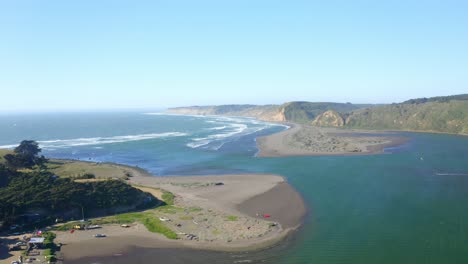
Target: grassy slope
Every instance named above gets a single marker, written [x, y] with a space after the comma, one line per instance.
[65, 168]
[68, 168]
[305, 112]
[446, 117]
[3, 152]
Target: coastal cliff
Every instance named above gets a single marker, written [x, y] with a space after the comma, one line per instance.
[447, 114]
[298, 112]
[262, 112]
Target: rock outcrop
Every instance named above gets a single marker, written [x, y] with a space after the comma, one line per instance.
[329, 118]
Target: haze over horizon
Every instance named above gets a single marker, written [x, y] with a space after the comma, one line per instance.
[114, 55]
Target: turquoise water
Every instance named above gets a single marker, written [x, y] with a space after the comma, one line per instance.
[409, 205]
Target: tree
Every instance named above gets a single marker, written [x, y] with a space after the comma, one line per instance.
[5, 174]
[26, 155]
[28, 148]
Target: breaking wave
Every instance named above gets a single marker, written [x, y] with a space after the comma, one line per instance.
[65, 143]
[233, 130]
[450, 174]
[228, 128]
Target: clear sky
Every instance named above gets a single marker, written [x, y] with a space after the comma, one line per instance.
[125, 54]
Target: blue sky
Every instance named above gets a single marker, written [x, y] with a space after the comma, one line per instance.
[126, 54]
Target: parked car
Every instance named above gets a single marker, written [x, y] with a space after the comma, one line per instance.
[99, 235]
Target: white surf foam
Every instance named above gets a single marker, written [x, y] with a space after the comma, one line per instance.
[8, 146]
[234, 129]
[231, 126]
[217, 128]
[452, 174]
[65, 143]
[172, 114]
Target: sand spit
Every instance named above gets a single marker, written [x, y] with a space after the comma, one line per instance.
[302, 140]
[226, 213]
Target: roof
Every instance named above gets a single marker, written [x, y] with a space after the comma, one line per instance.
[35, 240]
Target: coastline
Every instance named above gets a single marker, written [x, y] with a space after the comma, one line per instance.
[248, 196]
[303, 140]
[243, 195]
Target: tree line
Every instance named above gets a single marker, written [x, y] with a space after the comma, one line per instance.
[37, 188]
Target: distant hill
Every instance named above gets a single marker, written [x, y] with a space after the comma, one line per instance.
[445, 114]
[262, 112]
[439, 99]
[300, 112]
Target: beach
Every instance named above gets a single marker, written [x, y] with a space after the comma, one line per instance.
[304, 140]
[225, 212]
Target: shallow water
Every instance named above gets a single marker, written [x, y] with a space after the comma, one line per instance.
[406, 206]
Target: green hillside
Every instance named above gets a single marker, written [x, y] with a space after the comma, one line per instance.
[306, 112]
[32, 188]
[440, 99]
[433, 116]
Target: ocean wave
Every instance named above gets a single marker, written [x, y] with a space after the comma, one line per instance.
[451, 174]
[8, 146]
[217, 128]
[172, 114]
[234, 130]
[227, 127]
[65, 143]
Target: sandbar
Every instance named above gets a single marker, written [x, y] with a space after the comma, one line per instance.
[304, 140]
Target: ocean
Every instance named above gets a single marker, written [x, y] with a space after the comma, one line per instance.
[408, 205]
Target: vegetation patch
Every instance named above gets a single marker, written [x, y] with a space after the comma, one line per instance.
[168, 197]
[148, 219]
[169, 209]
[66, 226]
[186, 217]
[50, 247]
[4, 152]
[231, 218]
[193, 209]
[155, 225]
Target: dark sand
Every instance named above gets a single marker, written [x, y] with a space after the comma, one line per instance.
[282, 203]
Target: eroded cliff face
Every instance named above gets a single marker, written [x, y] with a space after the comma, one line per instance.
[272, 113]
[274, 116]
[329, 118]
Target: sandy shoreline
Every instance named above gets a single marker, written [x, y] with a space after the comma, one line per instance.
[246, 196]
[302, 140]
